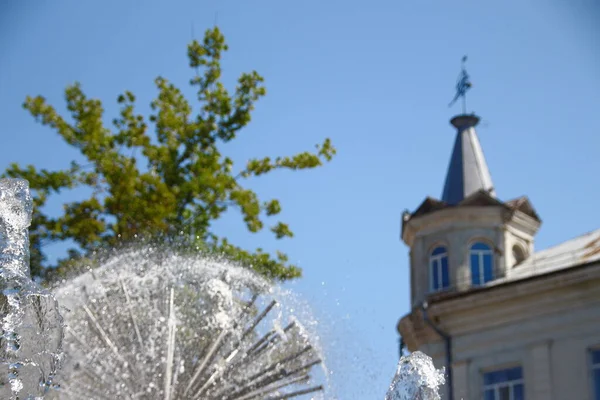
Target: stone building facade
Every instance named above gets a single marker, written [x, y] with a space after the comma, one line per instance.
[506, 322]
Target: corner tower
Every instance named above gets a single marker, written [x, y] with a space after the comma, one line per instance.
[468, 238]
[464, 242]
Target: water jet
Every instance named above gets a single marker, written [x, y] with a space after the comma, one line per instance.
[32, 329]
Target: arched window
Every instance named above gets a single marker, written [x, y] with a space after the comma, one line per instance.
[438, 269]
[518, 254]
[482, 263]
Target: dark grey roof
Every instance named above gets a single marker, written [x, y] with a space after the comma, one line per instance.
[468, 171]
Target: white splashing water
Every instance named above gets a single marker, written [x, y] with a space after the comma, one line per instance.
[30, 345]
[153, 324]
[416, 379]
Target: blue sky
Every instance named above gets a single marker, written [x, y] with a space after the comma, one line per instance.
[375, 76]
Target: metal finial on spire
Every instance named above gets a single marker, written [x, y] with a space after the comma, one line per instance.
[462, 85]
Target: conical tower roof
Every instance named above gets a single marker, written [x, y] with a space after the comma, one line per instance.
[468, 172]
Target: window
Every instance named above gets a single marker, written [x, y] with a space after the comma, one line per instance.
[438, 269]
[596, 374]
[518, 255]
[482, 263]
[506, 384]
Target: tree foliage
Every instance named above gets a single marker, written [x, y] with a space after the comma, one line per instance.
[186, 183]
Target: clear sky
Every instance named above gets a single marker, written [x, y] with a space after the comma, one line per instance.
[376, 76]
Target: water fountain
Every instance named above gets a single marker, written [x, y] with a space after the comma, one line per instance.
[416, 378]
[151, 323]
[30, 345]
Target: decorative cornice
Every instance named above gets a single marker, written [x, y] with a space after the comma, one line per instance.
[450, 218]
[523, 223]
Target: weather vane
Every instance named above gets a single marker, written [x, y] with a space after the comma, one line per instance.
[462, 85]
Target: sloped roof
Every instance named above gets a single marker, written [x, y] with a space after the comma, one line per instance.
[468, 180]
[429, 205]
[580, 250]
[524, 205]
[468, 172]
[480, 198]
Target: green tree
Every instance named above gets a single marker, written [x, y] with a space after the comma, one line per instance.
[187, 183]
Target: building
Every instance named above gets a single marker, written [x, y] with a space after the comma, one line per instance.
[506, 322]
